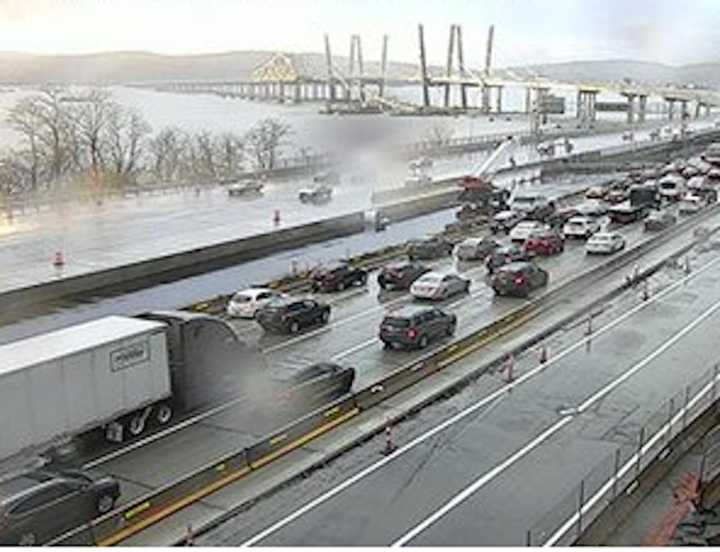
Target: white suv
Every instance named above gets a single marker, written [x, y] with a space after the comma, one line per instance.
[580, 227]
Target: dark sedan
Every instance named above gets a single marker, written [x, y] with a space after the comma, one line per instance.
[401, 275]
[505, 255]
[519, 279]
[290, 315]
[429, 248]
[38, 506]
[337, 277]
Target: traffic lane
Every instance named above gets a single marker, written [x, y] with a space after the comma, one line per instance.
[172, 295]
[168, 458]
[514, 421]
[356, 342]
[529, 489]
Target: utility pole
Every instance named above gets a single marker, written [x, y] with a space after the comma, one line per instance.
[383, 66]
[423, 67]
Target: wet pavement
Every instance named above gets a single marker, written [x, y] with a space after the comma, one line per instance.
[519, 454]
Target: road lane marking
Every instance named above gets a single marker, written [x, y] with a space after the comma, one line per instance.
[466, 412]
[471, 489]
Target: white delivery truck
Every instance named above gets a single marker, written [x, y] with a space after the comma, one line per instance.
[75, 379]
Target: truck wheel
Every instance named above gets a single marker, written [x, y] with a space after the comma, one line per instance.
[362, 280]
[105, 503]
[423, 342]
[341, 286]
[325, 317]
[136, 425]
[164, 414]
[294, 327]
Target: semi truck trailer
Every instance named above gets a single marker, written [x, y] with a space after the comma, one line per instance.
[123, 374]
[72, 380]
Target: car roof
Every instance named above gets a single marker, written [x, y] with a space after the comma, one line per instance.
[475, 240]
[506, 214]
[408, 311]
[515, 266]
[252, 291]
[579, 218]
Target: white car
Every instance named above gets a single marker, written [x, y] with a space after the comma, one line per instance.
[691, 204]
[246, 303]
[438, 285]
[243, 187]
[672, 186]
[522, 230]
[605, 242]
[580, 227]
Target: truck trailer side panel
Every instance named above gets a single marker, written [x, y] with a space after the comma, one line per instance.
[83, 388]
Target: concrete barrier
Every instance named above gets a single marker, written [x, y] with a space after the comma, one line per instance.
[420, 206]
[189, 262]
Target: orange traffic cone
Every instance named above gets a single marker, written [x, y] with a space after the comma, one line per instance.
[58, 260]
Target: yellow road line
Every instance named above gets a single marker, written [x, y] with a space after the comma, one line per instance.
[214, 486]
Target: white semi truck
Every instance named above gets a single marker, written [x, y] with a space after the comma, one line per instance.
[118, 373]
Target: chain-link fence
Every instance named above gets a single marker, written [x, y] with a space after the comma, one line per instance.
[617, 473]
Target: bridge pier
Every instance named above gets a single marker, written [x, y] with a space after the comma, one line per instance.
[631, 106]
[642, 108]
[586, 100]
[498, 99]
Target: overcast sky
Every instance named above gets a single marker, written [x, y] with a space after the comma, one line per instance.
[526, 31]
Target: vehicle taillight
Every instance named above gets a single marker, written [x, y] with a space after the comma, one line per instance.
[284, 317]
[519, 280]
[412, 333]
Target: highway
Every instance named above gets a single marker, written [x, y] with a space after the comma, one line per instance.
[174, 294]
[350, 339]
[481, 470]
[188, 221]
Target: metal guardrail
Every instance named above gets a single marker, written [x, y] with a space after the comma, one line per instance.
[147, 510]
[618, 474]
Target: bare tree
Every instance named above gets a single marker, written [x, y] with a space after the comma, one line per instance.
[230, 153]
[125, 137]
[264, 139]
[25, 117]
[165, 152]
[91, 118]
[205, 161]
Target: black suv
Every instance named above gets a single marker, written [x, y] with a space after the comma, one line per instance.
[415, 326]
[38, 506]
[292, 314]
[338, 276]
[519, 279]
[505, 255]
[401, 275]
[429, 248]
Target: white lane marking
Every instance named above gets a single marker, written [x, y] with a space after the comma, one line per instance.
[360, 346]
[486, 478]
[632, 461]
[164, 433]
[464, 413]
[540, 439]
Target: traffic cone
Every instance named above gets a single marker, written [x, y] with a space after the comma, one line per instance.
[58, 260]
[276, 217]
[589, 329]
[390, 446]
[543, 354]
[646, 291]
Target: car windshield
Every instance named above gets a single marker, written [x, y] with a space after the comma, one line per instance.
[430, 278]
[241, 298]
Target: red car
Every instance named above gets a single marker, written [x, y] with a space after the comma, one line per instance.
[547, 242]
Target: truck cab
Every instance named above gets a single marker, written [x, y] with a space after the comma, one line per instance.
[208, 362]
